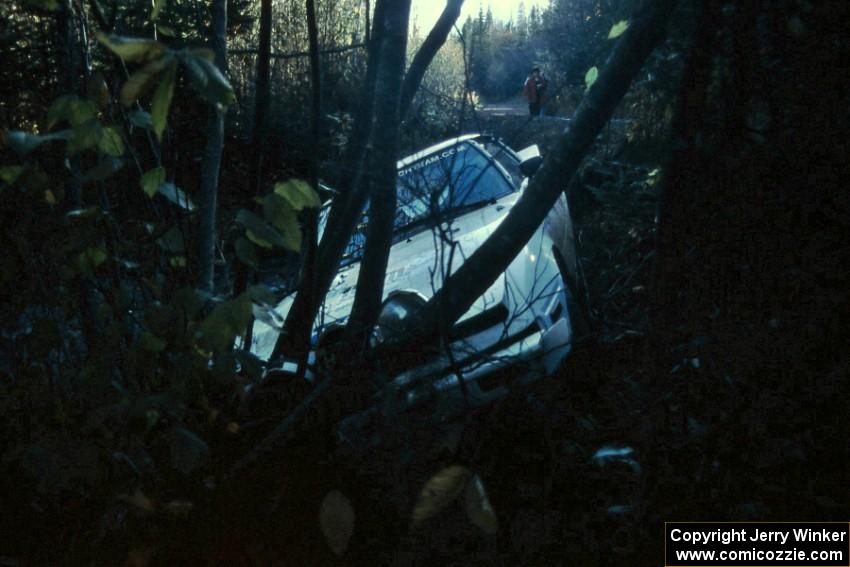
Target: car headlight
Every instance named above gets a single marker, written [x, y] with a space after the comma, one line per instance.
[396, 313]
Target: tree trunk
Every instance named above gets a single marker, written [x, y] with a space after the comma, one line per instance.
[489, 261]
[752, 256]
[346, 209]
[262, 99]
[383, 172]
[308, 267]
[207, 202]
[429, 48]
[259, 135]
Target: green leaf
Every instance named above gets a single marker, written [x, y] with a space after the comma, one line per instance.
[111, 142]
[151, 343]
[246, 252]
[162, 100]
[131, 48]
[72, 109]
[90, 258]
[10, 173]
[166, 31]
[142, 80]
[208, 80]
[105, 168]
[141, 119]
[259, 229]
[282, 216]
[24, 142]
[618, 29]
[157, 6]
[151, 181]
[590, 77]
[49, 5]
[188, 451]
[257, 240]
[298, 193]
[59, 110]
[177, 196]
[85, 136]
[227, 320]
[172, 241]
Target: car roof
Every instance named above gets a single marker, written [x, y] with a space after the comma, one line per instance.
[404, 162]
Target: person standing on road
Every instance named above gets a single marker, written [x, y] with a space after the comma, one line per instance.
[535, 91]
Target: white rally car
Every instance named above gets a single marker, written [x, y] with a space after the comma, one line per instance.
[451, 197]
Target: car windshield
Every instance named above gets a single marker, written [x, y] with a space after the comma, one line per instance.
[436, 186]
[451, 179]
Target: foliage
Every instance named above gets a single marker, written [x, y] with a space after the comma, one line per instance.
[119, 383]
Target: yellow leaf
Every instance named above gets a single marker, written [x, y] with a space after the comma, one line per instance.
[298, 193]
[139, 499]
[336, 518]
[478, 507]
[440, 491]
[49, 197]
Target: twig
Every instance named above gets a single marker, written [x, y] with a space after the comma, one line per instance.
[297, 54]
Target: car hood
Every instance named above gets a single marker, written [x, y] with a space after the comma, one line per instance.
[415, 264]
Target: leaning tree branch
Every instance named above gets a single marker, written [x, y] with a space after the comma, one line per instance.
[429, 48]
[494, 256]
[346, 210]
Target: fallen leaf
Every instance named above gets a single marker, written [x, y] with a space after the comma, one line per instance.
[139, 557]
[478, 507]
[440, 491]
[180, 508]
[139, 499]
[336, 517]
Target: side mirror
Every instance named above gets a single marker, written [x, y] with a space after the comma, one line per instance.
[529, 160]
